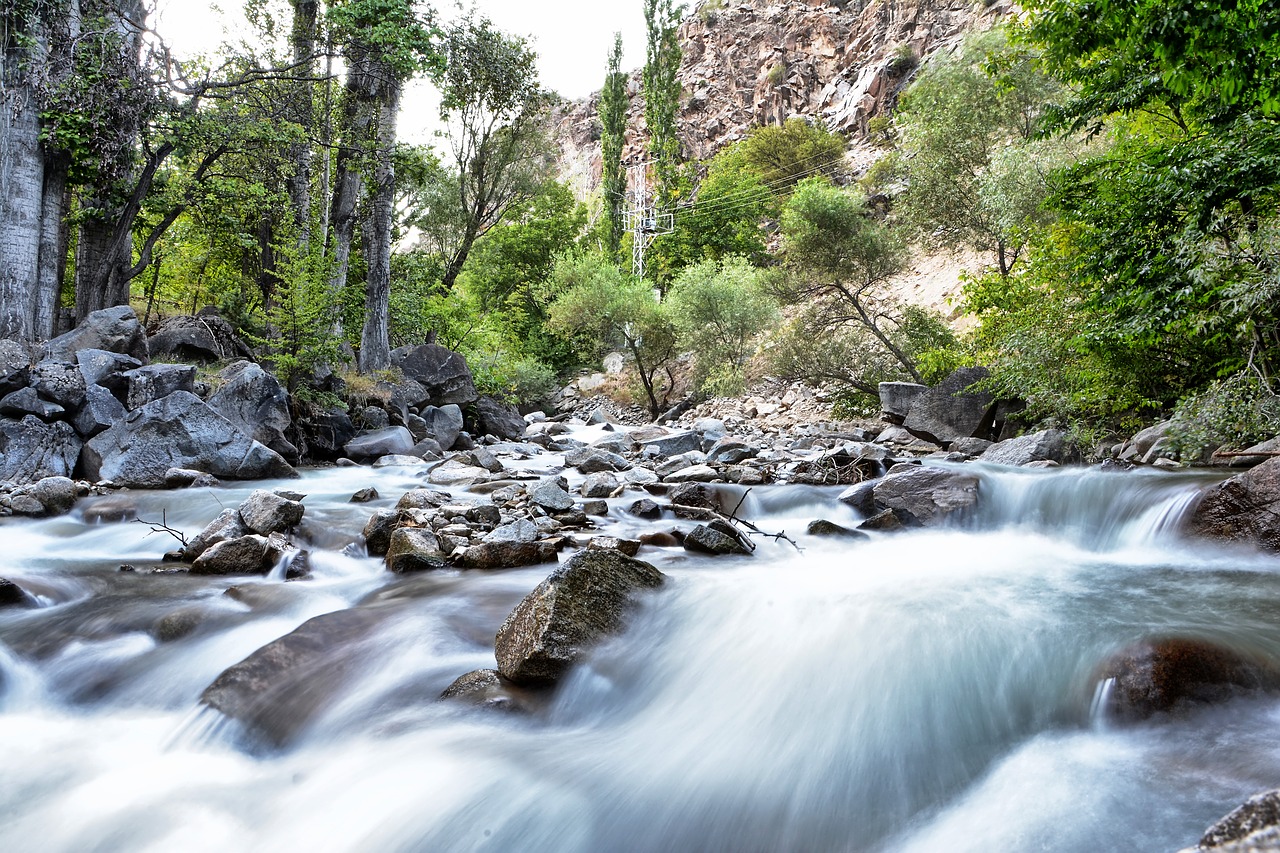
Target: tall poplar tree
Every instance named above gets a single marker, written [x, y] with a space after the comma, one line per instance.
[613, 120]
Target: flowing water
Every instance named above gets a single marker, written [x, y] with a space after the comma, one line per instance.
[920, 692]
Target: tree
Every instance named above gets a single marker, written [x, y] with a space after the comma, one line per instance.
[601, 308]
[613, 121]
[662, 97]
[726, 216]
[495, 109]
[784, 155]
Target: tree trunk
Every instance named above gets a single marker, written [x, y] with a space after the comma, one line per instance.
[375, 345]
[303, 40]
[101, 267]
[53, 246]
[21, 194]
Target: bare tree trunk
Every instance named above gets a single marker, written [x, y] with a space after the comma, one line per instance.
[358, 108]
[21, 201]
[53, 246]
[101, 267]
[303, 39]
[375, 345]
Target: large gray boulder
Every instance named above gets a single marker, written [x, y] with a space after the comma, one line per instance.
[443, 424]
[897, 398]
[15, 366]
[245, 555]
[205, 337]
[1244, 509]
[178, 431]
[927, 495]
[489, 416]
[391, 441]
[31, 450]
[414, 549]
[112, 329]
[1050, 445]
[154, 381]
[59, 381]
[951, 410]
[257, 404]
[100, 411]
[442, 372]
[579, 604]
[324, 433]
[25, 401]
[266, 512]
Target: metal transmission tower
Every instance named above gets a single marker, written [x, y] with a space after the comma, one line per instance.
[642, 220]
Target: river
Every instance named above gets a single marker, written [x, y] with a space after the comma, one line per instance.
[917, 692]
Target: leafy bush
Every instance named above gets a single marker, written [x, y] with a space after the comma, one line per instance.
[1238, 411]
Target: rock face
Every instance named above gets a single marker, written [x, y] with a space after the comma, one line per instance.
[581, 603]
[31, 450]
[442, 372]
[178, 431]
[927, 495]
[1242, 509]
[1162, 675]
[111, 329]
[1253, 827]
[256, 403]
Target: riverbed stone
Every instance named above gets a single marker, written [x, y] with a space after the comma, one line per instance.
[413, 549]
[1252, 827]
[113, 329]
[715, 538]
[952, 410]
[550, 494]
[579, 604]
[822, 527]
[456, 472]
[1244, 509]
[244, 555]
[595, 460]
[928, 495]
[520, 530]
[381, 442]
[178, 431]
[378, 530]
[645, 508]
[257, 404]
[12, 595]
[56, 494]
[442, 372]
[31, 450]
[602, 485]
[693, 474]
[1050, 445]
[227, 525]
[490, 416]
[673, 444]
[265, 512]
[506, 555]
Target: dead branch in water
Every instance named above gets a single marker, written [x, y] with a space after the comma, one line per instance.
[163, 527]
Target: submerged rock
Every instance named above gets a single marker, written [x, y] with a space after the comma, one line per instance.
[12, 595]
[1253, 827]
[927, 495]
[716, 538]
[486, 688]
[581, 603]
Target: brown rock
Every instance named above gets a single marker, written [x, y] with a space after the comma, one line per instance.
[506, 555]
[1244, 509]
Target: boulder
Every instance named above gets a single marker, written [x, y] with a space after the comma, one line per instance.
[256, 403]
[506, 555]
[716, 538]
[1243, 509]
[323, 434]
[112, 329]
[178, 431]
[244, 555]
[520, 530]
[928, 495]
[731, 451]
[486, 688]
[391, 441]
[442, 372]
[228, 525]
[56, 494]
[25, 401]
[594, 460]
[1253, 827]
[152, 382]
[102, 367]
[693, 474]
[630, 547]
[950, 410]
[1168, 674]
[266, 512]
[602, 485]
[378, 530]
[205, 337]
[550, 494]
[971, 446]
[276, 690]
[59, 381]
[443, 424]
[100, 411]
[674, 444]
[12, 595]
[695, 494]
[365, 495]
[186, 478]
[579, 604]
[822, 527]
[31, 450]
[15, 366]
[861, 497]
[456, 472]
[645, 508]
[1050, 445]
[897, 398]
[412, 549]
[490, 416]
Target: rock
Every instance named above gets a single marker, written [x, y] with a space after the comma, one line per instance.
[206, 337]
[1138, 447]
[324, 433]
[27, 402]
[257, 404]
[889, 520]
[490, 416]
[673, 444]
[378, 530]
[100, 411]
[392, 441]
[266, 512]
[1047, 445]
[414, 550]
[695, 494]
[456, 472]
[897, 398]
[486, 688]
[594, 460]
[399, 462]
[178, 431]
[276, 690]
[443, 424]
[33, 450]
[630, 547]
[1265, 451]
[1167, 674]
[731, 451]
[12, 595]
[365, 495]
[603, 485]
[549, 494]
[929, 495]
[506, 555]
[15, 366]
[693, 474]
[111, 509]
[861, 497]
[245, 555]
[715, 539]
[645, 508]
[59, 381]
[616, 443]
[186, 478]
[56, 494]
[822, 527]
[228, 525]
[579, 604]
[1253, 827]
[429, 449]
[422, 499]
[1242, 509]
[971, 446]
[101, 367]
[179, 623]
[521, 530]
[949, 410]
[443, 373]
[111, 329]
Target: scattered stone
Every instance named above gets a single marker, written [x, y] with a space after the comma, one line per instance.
[602, 485]
[663, 539]
[228, 525]
[266, 512]
[506, 555]
[486, 688]
[549, 493]
[889, 520]
[714, 539]
[399, 462]
[582, 602]
[595, 507]
[521, 530]
[929, 495]
[673, 444]
[489, 416]
[694, 474]
[414, 550]
[378, 530]
[443, 424]
[456, 472]
[365, 495]
[822, 527]
[645, 508]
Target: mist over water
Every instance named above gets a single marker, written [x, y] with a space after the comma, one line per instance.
[920, 692]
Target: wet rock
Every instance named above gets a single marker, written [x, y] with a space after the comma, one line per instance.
[228, 525]
[12, 595]
[399, 462]
[614, 442]
[506, 555]
[1049, 445]
[581, 603]
[486, 688]
[695, 494]
[971, 446]
[822, 527]
[110, 509]
[442, 373]
[378, 530]
[1244, 509]
[111, 329]
[673, 444]
[716, 538]
[549, 493]
[889, 520]
[456, 472]
[178, 431]
[57, 495]
[152, 382]
[266, 512]
[681, 462]
[277, 690]
[257, 404]
[602, 485]
[645, 508]
[33, 450]
[928, 495]
[1253, 827]
[414, 550]
[521, 530]
[596, 507]
[365, 495]
[489, 416]
[663, 539]
[187, 478]
[861, 497]
[594, 460]
[59, 381]
[245, 555]
[693, 474]
[383, 442]
[1167, 674]
[950, 410]
[27, 402]
[298, 567]
[25, 505]
[630, 547]
[324, 433]
[180, 623]
[897, 398]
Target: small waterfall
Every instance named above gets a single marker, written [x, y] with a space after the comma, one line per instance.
[1101, 703]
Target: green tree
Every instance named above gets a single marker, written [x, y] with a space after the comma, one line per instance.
[784, 155]
[613, 122]
[662, 97]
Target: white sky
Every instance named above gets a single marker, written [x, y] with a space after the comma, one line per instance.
[572, 37]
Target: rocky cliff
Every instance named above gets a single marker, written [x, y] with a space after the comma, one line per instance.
[756, 62]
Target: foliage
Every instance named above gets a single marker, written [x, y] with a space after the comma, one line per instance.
[299, 321]
[613, 121]
[784, 155]
[720, 310]
[662, 96]
[726, 216]
[514, 379]
[1239, 411]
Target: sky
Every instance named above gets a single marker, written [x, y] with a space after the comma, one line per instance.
[572, 37]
